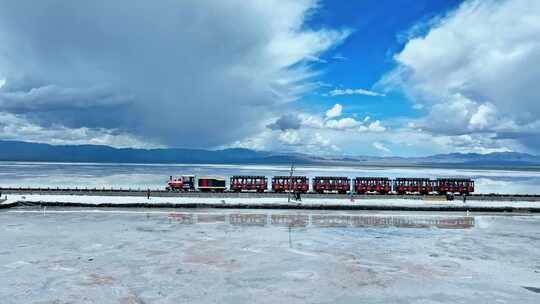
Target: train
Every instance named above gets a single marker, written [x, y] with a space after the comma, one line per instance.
[186, 183]
[322, 184]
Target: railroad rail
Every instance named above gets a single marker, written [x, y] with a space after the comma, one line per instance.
[118, 191]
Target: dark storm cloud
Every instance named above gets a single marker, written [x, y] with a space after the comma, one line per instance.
[52, 97]
[286, 122]
[180, 73]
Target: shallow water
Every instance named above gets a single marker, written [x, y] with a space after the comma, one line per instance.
[144, 257]
[155, 175]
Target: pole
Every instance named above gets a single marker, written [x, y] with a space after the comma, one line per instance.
[290, 182]
[290, 241]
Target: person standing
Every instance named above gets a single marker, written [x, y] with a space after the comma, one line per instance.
[148, 194]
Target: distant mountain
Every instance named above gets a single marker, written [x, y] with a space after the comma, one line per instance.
[491, 158]
[25, 151]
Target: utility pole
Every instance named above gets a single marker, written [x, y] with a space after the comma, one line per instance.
[290, 182]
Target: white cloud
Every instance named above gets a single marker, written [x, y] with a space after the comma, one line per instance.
[339, 57]
[335, 111]
[14, 127]
[376, 127]
[409, 141]
[316, 59]
[310, 142]
[343, 123]
[484, 117]
[2, 82]
[290, 137]
[314, 133]
[380, 146]
[476, 71]
[311, 121]
[339, 92]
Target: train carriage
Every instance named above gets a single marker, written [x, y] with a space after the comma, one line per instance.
[381, 185]
[211, 184]
[330, 184]
[244, 183]
[413, 185]
[455, 185]
[294, 183]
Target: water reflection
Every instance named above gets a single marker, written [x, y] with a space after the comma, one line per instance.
[325, 221]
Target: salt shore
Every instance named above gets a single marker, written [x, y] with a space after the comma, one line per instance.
[270, 202]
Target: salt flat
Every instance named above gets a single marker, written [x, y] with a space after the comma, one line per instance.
[149, 256]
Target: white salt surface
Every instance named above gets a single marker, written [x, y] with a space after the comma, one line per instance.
[88, 199]
[102, 257]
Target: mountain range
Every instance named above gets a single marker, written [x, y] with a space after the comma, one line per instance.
[37, 152]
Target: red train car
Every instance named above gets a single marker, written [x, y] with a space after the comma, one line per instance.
[380, 185]
[244, 183]
[455, 185]
[286, 183]
[183, 183]
[413, 185]
[339, 184]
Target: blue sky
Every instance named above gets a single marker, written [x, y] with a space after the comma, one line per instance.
[368, 52]
[387, 77]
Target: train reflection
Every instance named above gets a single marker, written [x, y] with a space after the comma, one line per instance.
[325, 221]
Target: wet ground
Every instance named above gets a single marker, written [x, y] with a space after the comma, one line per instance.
[144, 256]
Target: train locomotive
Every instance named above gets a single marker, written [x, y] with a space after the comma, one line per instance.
[183, 183]
[186, 183]
[323, 184]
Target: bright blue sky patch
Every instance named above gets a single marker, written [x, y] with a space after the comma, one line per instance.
[379, 28]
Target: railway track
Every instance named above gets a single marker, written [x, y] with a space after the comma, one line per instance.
[164, 193]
